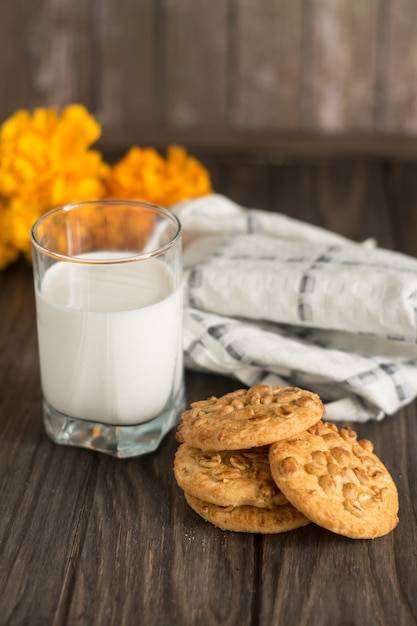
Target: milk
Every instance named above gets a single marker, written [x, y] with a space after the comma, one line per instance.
[109, 340]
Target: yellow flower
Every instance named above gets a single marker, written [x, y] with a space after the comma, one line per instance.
[8, 250]
[143, 174]
[21, 217]
[46, 161]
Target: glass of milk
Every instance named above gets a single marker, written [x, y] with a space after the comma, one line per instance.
[108, 292]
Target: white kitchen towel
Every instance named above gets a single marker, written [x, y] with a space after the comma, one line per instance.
[275, 300]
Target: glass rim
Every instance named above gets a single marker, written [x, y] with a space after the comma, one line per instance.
[67, 208]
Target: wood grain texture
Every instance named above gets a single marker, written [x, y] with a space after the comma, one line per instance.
[37, 508]
[62, 52]
[343, 195]
[126, 58]
[267, 65]
[195, 63]
[231, 73]
[87, 540]
[17, 88]
[339, 65]
[401, 190]
[396, 98]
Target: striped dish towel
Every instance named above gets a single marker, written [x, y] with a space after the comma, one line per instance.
[270, 299]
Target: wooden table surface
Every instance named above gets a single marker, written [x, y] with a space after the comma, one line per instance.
[90, 540]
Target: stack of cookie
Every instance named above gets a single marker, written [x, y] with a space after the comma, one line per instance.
[262, 460]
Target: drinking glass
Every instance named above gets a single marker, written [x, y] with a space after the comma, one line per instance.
[108, 294]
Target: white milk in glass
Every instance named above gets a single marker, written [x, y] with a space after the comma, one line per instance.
[110, 340]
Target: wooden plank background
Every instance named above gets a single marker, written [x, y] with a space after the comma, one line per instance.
[223, 73]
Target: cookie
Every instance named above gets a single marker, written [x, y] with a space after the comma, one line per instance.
[249, 418]
[227, 477]
[249, 519]
[336, 481]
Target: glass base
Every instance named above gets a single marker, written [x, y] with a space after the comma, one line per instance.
[118, 441]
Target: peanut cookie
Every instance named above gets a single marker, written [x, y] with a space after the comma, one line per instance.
[249, 418]
[336, 481]
[249, 519]
[228, 477]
